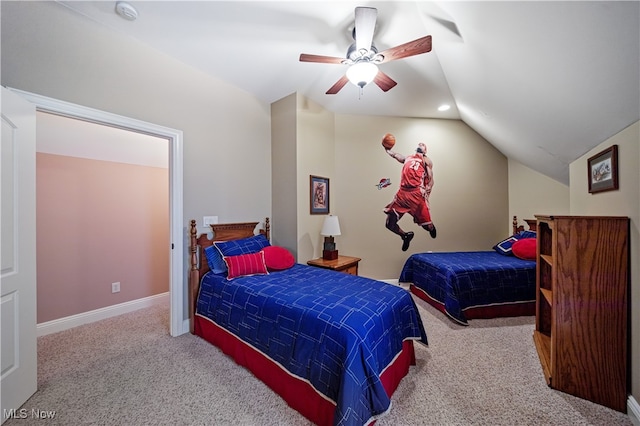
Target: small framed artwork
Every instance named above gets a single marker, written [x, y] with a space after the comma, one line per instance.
[319, 194]
[603, 170]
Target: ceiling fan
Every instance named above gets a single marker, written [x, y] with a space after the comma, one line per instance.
[363, 57]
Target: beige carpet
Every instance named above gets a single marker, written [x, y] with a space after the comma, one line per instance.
[128, 371]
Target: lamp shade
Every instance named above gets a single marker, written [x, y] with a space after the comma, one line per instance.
[331, 226]
[362, 73]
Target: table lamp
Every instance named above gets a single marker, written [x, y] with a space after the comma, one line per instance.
[330, 228]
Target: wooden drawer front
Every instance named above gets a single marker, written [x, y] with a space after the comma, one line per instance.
[351, 270]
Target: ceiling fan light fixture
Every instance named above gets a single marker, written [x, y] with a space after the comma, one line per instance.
[362, 73]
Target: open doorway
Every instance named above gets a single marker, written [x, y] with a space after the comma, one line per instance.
[178, 322]
[102, 201]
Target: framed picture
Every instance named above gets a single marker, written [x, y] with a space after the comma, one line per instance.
[319, 195]
[603, 170]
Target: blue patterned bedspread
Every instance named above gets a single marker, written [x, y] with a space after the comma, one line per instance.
[335, 330]
[461, 280]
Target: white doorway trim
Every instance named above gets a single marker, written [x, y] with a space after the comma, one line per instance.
[178, 325]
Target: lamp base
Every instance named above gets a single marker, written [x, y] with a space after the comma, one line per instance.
[329, 254]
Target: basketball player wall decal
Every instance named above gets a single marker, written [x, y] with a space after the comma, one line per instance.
[412, 196]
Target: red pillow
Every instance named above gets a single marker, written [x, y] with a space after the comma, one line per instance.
[525, 249]
[245, 264]
[278, 258]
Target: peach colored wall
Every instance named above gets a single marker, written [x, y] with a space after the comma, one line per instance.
[99, 222]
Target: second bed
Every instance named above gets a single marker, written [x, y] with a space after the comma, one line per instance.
[477, 284]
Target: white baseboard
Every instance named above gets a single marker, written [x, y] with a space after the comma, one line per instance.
[633, 410]
[66, 323]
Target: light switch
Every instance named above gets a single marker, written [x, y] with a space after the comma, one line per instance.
[209, 220]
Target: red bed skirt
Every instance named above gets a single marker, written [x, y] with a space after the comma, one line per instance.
[518, 309]
[299, 394]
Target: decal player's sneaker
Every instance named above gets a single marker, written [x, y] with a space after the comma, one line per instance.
[406, 239]
[432, 231]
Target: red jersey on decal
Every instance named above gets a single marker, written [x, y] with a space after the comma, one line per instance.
[413, 172]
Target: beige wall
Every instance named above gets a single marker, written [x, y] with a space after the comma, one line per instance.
[528, 195]
[532, 193]
[226, 131]
[226, 145]
[623, 202]
[471, 183]
[98, 222]
[316, 156]
[469, 202]
[302, 145]
[284, 178]
[221, 124]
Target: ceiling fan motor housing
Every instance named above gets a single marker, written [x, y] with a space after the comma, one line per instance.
[354, 54]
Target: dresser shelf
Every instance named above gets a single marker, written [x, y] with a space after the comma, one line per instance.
[582, 274]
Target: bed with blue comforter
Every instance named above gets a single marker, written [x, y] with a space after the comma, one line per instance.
[337, 331]
[333, 345]
[479, 284]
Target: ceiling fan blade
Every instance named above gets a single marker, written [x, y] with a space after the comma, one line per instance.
[304, 57]
[339, 85]
[384, 81]
[364, 26]
[412, 48]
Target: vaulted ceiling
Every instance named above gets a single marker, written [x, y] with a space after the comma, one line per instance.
[542, 81]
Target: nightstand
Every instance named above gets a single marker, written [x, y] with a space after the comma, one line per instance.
[346, 264]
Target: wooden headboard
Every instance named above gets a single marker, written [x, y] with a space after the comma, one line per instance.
[197, 244]
[532, 223]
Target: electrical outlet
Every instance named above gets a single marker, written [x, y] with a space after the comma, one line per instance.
[115, 287]
[209, 220]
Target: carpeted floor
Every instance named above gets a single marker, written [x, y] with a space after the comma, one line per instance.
[128, 371]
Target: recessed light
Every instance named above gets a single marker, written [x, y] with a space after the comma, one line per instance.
[444, 107]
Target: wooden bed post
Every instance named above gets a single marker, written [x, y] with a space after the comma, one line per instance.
[194, 273]
[267, 229]
[530, 222]
[198, 262]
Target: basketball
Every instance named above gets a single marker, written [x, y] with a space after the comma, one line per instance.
[388, 141]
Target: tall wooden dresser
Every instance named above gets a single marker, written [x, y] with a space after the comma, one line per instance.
[582, 277]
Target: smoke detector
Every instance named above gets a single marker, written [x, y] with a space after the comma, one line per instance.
[127, 11]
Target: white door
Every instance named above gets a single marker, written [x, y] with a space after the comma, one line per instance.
[18, 353]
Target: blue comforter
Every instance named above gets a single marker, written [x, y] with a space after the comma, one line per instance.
[462, 280]
[335, 330]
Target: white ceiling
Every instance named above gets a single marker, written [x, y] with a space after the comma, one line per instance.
[544, 82]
